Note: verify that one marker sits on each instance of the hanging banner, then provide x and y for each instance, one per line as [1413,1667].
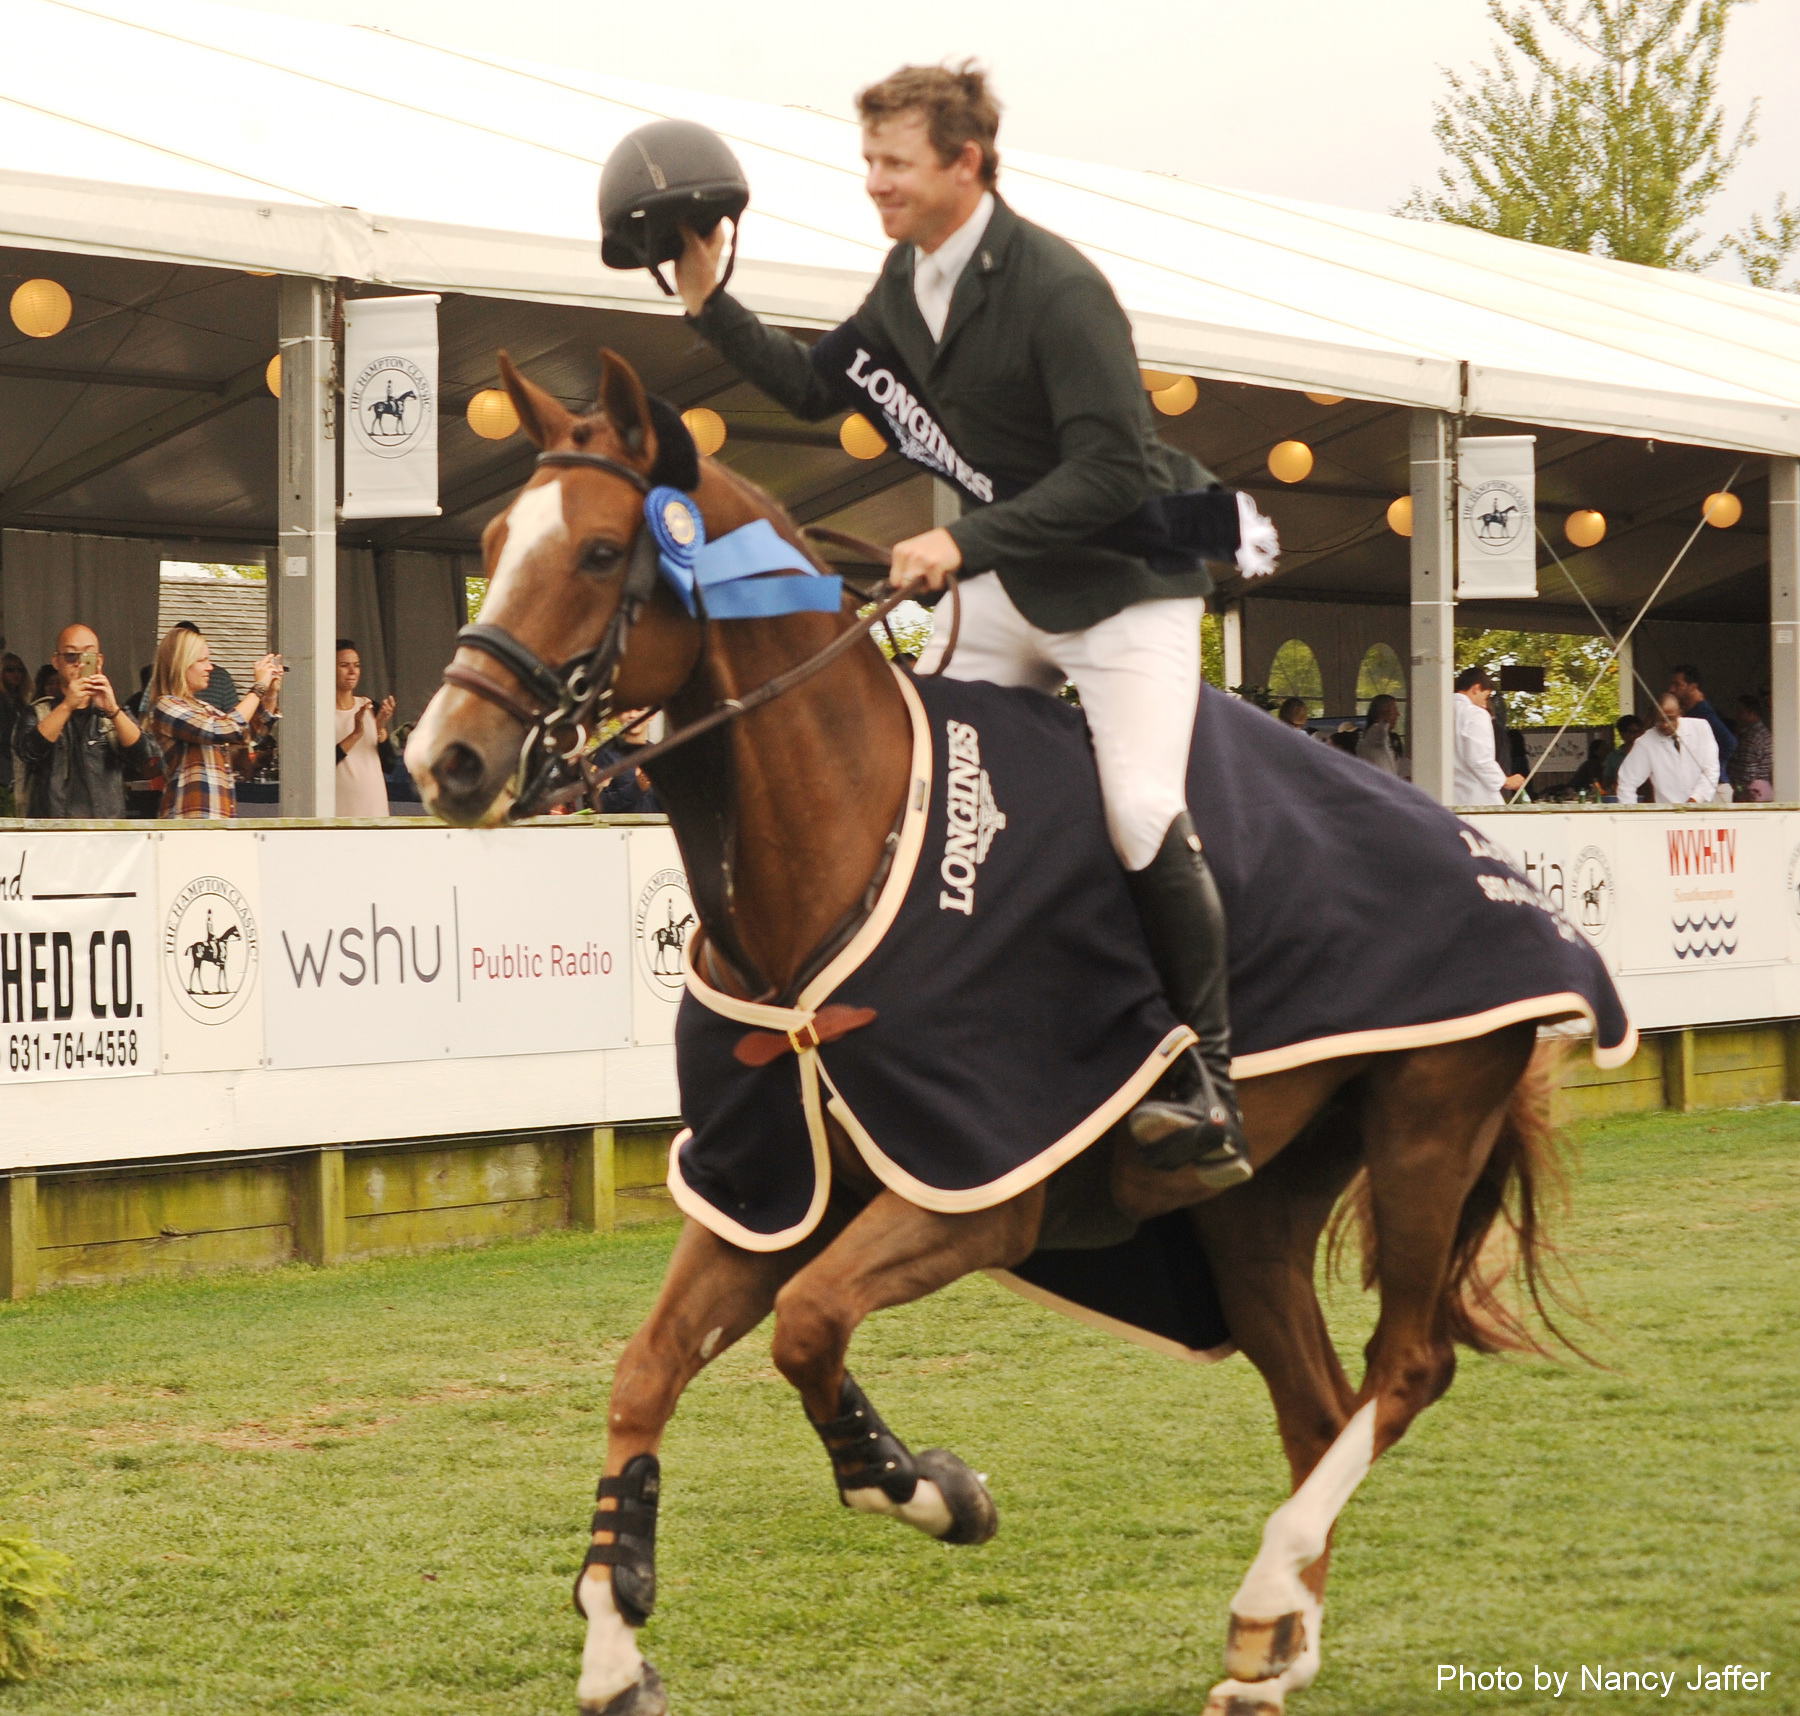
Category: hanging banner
[390,407]
[1496,534]
[78,987]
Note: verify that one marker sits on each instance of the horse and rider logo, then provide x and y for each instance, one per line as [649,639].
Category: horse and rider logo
[1592,893]
[1497,514]
[391,403]
[210,950]
[664,921]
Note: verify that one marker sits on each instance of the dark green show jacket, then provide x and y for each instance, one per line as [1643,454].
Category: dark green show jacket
[1036,381]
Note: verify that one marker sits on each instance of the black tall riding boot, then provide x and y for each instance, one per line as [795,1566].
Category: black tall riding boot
[1192,1115]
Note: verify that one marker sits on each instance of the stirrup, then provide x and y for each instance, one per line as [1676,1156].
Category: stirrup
[1193,1126]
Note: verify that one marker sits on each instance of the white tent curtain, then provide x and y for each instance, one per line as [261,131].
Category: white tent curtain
[359,619]
[426,612]
[49,580]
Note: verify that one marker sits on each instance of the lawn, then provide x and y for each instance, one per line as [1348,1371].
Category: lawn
[364,1490]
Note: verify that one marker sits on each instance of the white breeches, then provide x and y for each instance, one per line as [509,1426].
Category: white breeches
[1138,674]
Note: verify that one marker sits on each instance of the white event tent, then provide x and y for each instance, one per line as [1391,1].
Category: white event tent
[196,135]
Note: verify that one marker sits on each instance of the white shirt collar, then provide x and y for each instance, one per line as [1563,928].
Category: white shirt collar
[935,276]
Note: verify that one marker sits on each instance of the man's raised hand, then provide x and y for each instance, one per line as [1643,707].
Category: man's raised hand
[697,267]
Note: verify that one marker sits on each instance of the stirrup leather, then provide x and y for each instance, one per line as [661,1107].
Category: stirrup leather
[632,1553]
[864,1452]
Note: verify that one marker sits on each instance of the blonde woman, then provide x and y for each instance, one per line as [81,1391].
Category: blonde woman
[199,743]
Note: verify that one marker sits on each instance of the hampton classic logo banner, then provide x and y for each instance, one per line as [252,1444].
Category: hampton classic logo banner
[391,407]
[1496,517]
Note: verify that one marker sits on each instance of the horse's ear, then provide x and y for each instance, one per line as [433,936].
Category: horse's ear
[543,417]
[627,410]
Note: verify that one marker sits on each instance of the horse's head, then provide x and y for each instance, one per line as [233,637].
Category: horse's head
[557,562]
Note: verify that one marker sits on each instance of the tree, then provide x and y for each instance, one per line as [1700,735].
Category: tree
[1570,662]
[1616,151]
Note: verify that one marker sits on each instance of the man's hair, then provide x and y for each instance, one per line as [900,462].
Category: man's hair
[954,102]
[1635,722]
[347,643]
[1473,676]
[1690,674]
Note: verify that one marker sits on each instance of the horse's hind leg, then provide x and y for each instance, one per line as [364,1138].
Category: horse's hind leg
[1430,1118]
[713,1295]
[891,1254]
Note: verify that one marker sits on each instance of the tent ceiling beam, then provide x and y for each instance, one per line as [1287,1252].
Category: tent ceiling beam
[110,378]
[887,473]
[117,449]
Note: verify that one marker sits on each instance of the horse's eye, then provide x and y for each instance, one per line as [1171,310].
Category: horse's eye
[602,558]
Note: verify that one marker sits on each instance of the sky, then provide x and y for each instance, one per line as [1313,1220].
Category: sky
[1315,99]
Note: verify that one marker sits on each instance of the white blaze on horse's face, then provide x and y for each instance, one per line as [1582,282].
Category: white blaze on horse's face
[536,517]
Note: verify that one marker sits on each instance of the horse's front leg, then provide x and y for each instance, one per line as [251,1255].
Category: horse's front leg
[892,1254]
[713,1294]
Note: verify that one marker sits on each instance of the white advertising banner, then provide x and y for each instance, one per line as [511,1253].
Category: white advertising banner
[209,939]
[663,921]
[410,945]
[391,407]
[78,985]
[1496,517]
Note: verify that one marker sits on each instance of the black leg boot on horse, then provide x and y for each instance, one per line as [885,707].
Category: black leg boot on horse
[1192,1116]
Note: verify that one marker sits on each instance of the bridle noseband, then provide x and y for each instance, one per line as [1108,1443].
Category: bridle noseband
[570,702]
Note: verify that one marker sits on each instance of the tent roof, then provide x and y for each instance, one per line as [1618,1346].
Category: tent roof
[181,131]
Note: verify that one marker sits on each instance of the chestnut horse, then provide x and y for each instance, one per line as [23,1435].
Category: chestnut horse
[1447,1138]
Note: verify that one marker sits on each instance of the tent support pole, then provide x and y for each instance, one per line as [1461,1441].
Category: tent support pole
[1784,626]
[306,561]
[1231,630]
[1433,602]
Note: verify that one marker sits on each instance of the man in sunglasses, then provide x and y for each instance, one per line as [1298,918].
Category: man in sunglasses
[78,744]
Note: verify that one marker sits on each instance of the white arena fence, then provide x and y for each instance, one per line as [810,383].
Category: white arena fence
[173,991]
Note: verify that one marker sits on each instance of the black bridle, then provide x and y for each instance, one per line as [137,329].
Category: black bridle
[570,702]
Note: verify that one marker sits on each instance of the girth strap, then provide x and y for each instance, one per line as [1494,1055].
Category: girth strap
[632,1553]
[759,1048]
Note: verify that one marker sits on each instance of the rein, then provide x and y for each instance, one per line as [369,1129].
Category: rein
[574,698]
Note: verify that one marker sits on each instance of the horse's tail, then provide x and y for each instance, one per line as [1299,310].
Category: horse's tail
[1504,1265]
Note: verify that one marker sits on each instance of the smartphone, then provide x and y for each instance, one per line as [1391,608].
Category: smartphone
[89,663]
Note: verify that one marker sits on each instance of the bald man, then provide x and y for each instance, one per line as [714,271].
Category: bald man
[78,745]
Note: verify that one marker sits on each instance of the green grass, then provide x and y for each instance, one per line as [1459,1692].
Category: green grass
[364,1491]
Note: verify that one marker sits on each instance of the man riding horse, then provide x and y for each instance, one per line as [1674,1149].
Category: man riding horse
[1026,361]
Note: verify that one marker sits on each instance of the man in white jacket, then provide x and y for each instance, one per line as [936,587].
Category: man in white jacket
[1478,777]
[1678,756]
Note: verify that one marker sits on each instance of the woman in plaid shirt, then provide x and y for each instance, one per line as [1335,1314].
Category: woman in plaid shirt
[201,745]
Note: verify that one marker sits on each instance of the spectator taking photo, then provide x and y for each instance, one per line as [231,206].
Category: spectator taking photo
[75,742]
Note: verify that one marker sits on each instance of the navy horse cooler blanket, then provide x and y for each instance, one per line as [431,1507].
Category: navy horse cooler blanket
[1007,1015]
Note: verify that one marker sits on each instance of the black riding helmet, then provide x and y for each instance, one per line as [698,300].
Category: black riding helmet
[661,177]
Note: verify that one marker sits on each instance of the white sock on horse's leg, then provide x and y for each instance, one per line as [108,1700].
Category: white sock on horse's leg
[610,1660]
[927,1509]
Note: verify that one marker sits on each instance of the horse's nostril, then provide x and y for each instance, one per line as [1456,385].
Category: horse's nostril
[458,769]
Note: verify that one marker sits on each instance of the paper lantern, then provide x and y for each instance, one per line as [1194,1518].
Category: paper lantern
[861,439]
[492,415]
[272,375]
[1584,529]
[42,308]
[1399,516]
[707,428]
[1155,380]
[1722,511]
[1177,397]
[1326,398]
[261,273]
[1290,461]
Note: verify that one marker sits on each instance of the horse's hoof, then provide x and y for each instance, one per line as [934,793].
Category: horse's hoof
[644,1698]
[1240,1698]
[973,1516]
[1260,1650]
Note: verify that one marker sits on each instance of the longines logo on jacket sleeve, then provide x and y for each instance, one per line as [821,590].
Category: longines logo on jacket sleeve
[210,950]
[972,816]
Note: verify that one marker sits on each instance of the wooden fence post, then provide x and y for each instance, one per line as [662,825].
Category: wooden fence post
[1678,1071]
[319,1229]
[593,1181]
[18,1236]
[1793,1061]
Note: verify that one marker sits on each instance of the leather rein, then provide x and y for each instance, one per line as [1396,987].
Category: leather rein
[567,704]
